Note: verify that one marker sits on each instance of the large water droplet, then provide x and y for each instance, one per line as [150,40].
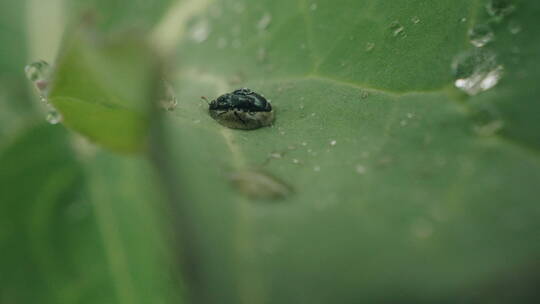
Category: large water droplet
[257,184]
[264,22]
[500,8]
[481,35]
[476,71]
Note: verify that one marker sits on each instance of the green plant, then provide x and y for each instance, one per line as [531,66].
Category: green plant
[406,135]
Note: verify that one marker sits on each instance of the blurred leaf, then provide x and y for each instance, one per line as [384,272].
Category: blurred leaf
[403,190]
[70,234]
[103,88]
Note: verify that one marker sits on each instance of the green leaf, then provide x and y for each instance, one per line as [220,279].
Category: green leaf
[403,188]
[103,88]
[74,234]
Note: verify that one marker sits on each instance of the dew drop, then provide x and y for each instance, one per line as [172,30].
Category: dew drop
[296,161]
[499,9]
[53,116]
[463,20]
[333,143]
[360,169]
[415,20]
[168,100]
[317,169]
[369,46]
[489,129]
[200,31]
[313,7]
[480,35]
[397,29]
[276,155]
[264,22]
[39,73]
[257,184]
[476,71]
[514,28]
[222,43]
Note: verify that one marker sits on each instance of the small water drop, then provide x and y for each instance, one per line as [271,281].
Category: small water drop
[53,116]
[415,20]
[304,143]
[476,71]
[463,20]
[360,169]
[481,35]
[257,184]
[369,46]
[200,31]
[39,73]
[264,22]
[313,7]
[397,29]
[333,143]
[498,9]
[489,129]
[222,43]
[514,28]
[296,161]
[317,169]
[168,100]
[276,155]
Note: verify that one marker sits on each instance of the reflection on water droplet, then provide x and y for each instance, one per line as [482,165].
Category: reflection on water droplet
[480,35]
[333,142]
[415,20]
[296,161]
[200,31]
[500,8]
[257,184]
[53,116]
[476,71]
[463,20]
[313,7]
[370,46]
[397,29]
[264,22]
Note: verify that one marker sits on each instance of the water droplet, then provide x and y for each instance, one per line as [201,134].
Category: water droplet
[53,116]
[514,28]
[499,9]
[476,71]
[276,155]
[415,20]
[296,161]
[39,73]
[313,7]
[200,31]
[168,100]
[304,143]
[397,29]
[264,22]
[317,169]
[480,35]
[369,46]
[489,129]
[222,43]
[410,115]
[463,20]
[333,143]
[360,169]
[257,184]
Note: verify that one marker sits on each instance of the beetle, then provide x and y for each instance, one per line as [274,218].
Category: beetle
[242,109]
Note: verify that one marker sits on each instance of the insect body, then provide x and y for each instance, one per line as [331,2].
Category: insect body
[242,109]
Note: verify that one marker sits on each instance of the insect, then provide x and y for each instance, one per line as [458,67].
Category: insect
[242,109]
